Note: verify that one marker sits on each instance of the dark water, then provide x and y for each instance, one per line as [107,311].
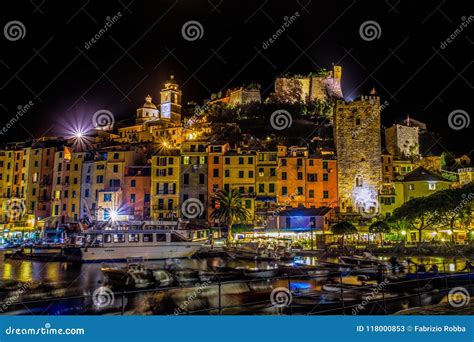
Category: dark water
[43,282]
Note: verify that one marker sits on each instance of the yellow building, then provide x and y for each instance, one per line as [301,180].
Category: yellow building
[266,180]
[165,178]
[239,174]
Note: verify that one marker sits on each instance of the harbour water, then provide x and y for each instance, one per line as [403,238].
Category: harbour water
[49,281]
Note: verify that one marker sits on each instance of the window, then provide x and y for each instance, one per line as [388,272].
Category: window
[133,183]
[271,187]
[283,162]
[227,173]
[250,160]
[116,156]
[357,121]
[272,172]
[133,238]
[170,160]
[215,173]
[186,160]
[100,179]
[432,186]
[132,198]
[325,165]
[227,161]
[201,179]
[325,194]
[241,174]
[312,177]
[186,179]
[107,238]
[311,162]
[359,181]
[300,175]
[107,197]
[119,238]
[250,174]
[147,198]
[299,162]
[284,190]
[311,194]
[300,190]
[160,237]
[147,237]
[86,193]
[283,175]
[241,160]
[216,160]
[325,177]
[177,238]
[411,186]
[260,172]
[261,188]
[248,204]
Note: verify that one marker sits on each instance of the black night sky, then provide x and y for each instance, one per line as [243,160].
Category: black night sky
[51,66]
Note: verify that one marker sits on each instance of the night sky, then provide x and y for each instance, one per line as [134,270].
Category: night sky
[52,67]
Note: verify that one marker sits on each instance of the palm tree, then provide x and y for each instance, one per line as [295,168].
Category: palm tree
[231,209]
[343,228]
[379,227]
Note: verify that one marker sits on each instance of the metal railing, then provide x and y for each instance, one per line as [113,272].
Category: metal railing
[356,300]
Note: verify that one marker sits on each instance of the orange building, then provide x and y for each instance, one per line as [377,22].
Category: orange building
[136,192]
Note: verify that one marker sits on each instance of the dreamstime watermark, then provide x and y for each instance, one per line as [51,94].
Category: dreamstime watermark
[20,112]
[458,297]
[465,22]
[14,208]
[369,120]
[199,287]
[15,296]
[281,297]
[192,30]
[466,199]
[370,297]
[281,119]
[110,22]
[459,119]
[103,119]
[46,330]
[198,111]
[370,30]
[14,30]
[192,208]
[288,21]
[103,297]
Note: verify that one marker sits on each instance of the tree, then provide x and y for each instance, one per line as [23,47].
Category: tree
[230,209]
[343,228]
[418,213]
[379,227]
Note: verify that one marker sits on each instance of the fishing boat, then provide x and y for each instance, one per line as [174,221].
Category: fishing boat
[221,274]
[146,242]
[136,276]
[357,260]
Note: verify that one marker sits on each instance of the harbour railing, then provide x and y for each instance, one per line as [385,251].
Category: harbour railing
[290,294]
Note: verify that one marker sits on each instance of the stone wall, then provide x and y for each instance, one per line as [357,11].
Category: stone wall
[358,147]
[402,141]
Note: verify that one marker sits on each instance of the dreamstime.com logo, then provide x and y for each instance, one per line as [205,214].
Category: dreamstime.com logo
[281,297]
[15,208]
[192,30]
[281,119]
[46,330]
[103,119]
[192,208]
[103,297]
[370,30]
[459,119]
[14,30]
[458,297]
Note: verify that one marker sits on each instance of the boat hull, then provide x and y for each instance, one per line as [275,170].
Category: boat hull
[95,254]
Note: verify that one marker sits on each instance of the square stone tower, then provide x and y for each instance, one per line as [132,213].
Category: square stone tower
[402,141]
[358,145]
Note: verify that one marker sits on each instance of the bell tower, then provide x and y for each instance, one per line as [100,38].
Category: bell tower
[171,101]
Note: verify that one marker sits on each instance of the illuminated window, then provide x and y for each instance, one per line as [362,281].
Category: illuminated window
[432,186]
[359,181]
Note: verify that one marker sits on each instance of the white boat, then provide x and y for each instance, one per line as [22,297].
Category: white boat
[125,244]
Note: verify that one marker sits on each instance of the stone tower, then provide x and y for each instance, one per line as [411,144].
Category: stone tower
[402,141]
[358,145]
[171,101]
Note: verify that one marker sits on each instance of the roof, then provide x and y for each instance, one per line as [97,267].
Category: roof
[421,174]
[321,211]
